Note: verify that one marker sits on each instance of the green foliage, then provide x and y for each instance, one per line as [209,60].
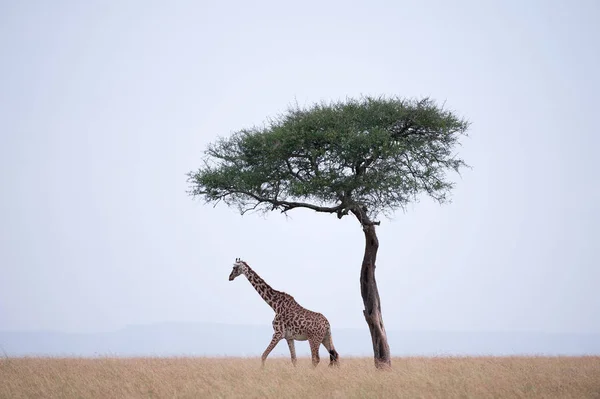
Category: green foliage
[374,153]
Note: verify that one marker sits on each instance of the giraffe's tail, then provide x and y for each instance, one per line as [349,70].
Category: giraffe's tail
[333,355]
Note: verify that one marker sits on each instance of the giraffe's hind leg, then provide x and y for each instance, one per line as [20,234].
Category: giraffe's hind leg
[276,338]
[292,347]
[314,350]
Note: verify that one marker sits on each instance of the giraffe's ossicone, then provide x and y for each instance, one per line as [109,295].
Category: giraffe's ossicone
[292,321]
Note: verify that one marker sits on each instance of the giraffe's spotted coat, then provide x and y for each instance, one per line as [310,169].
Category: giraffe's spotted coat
[292,321]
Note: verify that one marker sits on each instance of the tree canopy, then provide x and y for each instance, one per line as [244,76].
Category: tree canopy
[374,153]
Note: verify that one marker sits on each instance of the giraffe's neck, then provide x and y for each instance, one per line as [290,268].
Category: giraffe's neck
[264,290]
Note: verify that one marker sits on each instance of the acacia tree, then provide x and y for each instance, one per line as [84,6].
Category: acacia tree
[366,157]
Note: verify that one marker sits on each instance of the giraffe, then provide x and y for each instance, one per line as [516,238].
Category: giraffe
[292,321]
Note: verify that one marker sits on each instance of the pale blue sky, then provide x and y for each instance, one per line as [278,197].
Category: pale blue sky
[105,106]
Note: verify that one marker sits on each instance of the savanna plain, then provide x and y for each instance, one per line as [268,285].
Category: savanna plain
[411,377]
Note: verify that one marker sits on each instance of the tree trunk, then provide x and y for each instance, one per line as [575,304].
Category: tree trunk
[370,293]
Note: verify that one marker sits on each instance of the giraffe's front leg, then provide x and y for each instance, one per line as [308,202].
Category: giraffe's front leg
[276,338]
[292,347]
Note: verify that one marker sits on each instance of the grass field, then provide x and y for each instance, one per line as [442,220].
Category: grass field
[469,377]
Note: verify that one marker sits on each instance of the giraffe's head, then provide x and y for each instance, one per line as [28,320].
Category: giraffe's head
[238,268]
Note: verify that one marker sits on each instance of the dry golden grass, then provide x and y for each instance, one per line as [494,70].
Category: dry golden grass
[484,377]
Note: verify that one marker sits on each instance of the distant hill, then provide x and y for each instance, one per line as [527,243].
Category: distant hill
[207,339]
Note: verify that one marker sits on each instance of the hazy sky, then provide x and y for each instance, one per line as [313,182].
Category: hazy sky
[105,106]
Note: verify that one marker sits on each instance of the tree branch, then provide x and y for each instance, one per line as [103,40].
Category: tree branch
[288,205]
[291,170]
[362,165]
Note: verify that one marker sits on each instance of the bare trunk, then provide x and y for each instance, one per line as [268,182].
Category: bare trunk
[370,293]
